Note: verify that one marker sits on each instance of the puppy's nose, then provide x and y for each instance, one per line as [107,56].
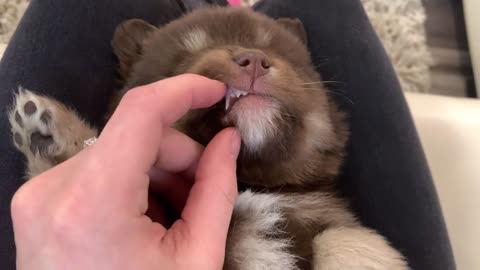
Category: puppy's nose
[255,63]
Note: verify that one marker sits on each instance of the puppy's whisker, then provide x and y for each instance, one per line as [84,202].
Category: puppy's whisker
[330,91]
[322,82]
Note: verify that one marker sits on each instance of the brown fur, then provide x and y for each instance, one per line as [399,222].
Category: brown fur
[293,160]
[288,159]
[293,218]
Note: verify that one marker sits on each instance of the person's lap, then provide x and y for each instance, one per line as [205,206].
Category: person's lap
[62,48]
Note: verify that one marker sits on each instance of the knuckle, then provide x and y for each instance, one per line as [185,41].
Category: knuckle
[22,204]
[63,223]
[70,218]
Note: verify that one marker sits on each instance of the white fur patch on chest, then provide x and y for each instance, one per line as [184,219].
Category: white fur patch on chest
[195,40]
[258,223]
[257,125]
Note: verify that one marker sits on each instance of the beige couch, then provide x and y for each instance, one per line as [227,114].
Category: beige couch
[472,22]
[449,129]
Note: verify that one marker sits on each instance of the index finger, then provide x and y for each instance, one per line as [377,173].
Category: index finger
[134,132]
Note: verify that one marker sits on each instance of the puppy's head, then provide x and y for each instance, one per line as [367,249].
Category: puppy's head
[290,130]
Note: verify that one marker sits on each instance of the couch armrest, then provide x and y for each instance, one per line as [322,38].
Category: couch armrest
[471,9]
[449,129]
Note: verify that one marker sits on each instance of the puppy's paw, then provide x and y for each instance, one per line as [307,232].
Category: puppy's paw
[42,128]
[256,238]
[355,248]
[32,127]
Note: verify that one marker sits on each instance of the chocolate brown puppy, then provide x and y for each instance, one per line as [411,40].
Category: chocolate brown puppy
[293,136]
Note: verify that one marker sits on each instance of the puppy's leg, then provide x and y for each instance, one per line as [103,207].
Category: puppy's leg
[46,131]
[256,239]
[356,247]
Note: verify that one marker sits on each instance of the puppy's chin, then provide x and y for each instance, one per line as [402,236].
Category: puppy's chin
[257,119]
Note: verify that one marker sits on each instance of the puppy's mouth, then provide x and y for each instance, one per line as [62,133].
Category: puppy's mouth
[232,96]
[254,113]
[235,97]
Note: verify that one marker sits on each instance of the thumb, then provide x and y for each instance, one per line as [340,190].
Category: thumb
[209,208]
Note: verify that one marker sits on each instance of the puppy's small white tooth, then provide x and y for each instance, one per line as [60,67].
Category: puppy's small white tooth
[230,91]
[227,102]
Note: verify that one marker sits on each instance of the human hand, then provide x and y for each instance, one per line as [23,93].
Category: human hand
[90,212]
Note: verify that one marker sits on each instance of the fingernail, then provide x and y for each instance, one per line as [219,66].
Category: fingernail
[235,144]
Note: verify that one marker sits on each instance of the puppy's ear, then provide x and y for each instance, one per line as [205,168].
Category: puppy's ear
[295,26]
[128,42]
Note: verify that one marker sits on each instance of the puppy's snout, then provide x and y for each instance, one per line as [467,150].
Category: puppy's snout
[255,63]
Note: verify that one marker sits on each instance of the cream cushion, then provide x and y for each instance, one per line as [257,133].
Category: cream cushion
[472,22]
[449,129]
